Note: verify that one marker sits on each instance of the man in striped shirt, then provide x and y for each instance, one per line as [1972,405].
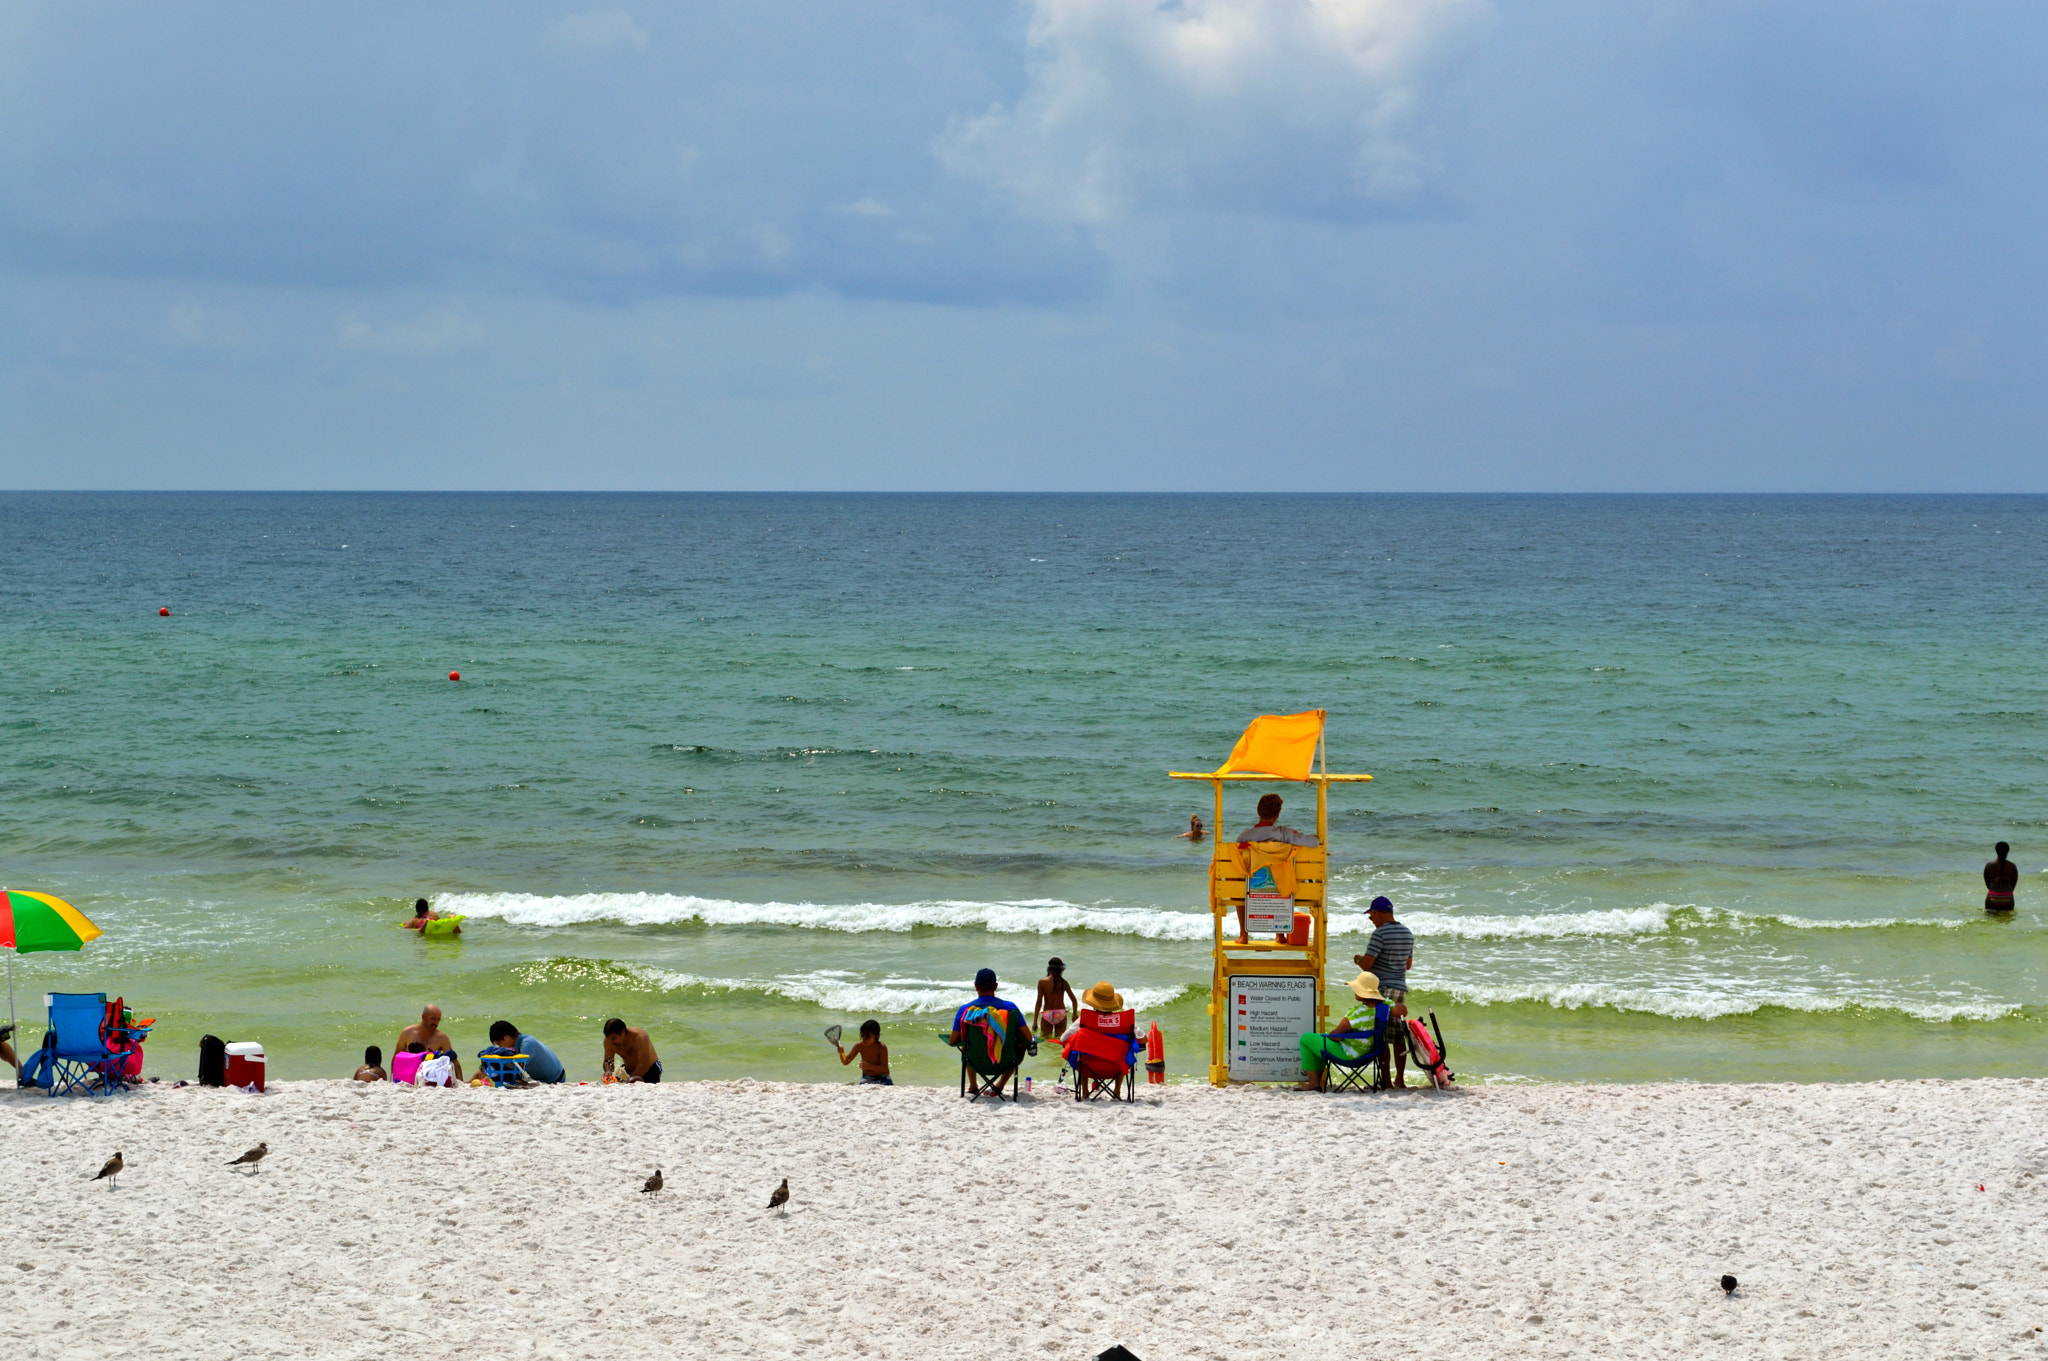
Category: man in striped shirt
[1387,957]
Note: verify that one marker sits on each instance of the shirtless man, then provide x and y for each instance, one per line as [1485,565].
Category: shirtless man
[428,1033]
[2001,877]
[629,1045]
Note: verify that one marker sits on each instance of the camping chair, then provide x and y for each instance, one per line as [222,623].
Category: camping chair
[993,1042]
[501,1066]
[1103,1052]
[1370,1073]
[79,1059]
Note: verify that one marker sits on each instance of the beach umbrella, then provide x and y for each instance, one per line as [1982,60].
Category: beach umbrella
[31,922]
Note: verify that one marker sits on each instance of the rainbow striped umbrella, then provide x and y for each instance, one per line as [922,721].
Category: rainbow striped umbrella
[31,922]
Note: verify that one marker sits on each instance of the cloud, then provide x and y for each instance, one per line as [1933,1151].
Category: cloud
[436,333]
[597,30]
[1312,108]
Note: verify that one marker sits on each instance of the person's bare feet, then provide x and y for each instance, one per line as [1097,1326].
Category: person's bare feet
[1314,1084]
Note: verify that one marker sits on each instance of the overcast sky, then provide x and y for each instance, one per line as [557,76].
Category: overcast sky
[1026,244]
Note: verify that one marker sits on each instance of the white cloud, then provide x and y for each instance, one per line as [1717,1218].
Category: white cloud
[436,333]
[598,29]
[1295,107]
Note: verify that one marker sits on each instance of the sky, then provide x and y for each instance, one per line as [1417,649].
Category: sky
[1087,245]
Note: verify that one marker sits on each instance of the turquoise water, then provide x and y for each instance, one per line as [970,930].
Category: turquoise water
[1668,787]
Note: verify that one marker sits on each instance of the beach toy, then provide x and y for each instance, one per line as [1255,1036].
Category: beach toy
[441,928]
[832,1034]
[1155,1055]
[405,1067]
[454,675]
[164,611]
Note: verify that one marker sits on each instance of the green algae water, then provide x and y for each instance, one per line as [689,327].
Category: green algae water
[1668,787]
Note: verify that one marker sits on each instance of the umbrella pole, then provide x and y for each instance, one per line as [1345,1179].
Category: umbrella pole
[16,1037]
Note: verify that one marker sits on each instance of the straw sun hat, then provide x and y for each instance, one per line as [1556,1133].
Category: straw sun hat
[1366,987]
[1103,997]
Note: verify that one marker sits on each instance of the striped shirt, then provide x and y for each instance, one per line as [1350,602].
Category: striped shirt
[1392,948]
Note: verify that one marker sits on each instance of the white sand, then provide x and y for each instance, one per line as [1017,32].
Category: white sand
[1532,1221]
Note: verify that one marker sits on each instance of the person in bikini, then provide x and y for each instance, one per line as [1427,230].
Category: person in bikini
[630,1047]
[2001,877]
[872,1053]
[1055,1001]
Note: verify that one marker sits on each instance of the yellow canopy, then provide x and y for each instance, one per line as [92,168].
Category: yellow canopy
[1281,745]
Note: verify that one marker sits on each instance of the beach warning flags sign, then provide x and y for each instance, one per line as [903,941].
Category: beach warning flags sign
[1281,745]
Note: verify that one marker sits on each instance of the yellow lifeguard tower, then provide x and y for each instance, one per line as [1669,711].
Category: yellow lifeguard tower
[1265,994]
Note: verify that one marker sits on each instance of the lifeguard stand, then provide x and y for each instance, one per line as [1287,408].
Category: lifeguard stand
[1264,995]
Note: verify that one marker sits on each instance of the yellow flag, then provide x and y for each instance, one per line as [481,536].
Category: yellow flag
[1282,745]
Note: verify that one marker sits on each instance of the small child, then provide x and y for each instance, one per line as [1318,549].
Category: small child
[1055,999]
[421,915]
[872,1053]
[373,1066]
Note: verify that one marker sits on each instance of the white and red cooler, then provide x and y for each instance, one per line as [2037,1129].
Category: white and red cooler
[245,1064]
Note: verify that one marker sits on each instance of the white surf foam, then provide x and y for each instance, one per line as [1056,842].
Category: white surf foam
[1734,998]
[1027,916]
[836,990]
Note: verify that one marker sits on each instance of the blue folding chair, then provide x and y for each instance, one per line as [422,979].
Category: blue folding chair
[79,1060]
[502,1067]
[1370,1072]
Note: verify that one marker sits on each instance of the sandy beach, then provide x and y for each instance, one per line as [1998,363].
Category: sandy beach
[1533,1221]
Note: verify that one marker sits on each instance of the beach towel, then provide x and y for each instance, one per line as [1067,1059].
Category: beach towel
[438,1071]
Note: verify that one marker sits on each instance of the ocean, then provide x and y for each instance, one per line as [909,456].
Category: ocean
[1668,787]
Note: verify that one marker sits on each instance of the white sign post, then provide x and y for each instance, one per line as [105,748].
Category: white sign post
[1269,1013]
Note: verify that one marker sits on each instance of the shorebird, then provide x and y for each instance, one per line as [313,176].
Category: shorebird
[111,1170]
[1728,1284]
[653,1183]
[253,1156]
[781,1196]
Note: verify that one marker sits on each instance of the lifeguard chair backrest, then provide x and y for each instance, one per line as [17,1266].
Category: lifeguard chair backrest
[1227,873]
[1110,1022]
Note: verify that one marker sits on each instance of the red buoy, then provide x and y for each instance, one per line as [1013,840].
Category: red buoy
[164,610]
[454,675]
[1155,1055]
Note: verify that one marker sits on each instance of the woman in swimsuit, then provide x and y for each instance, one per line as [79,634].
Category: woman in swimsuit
[2001,877]
[1055,999]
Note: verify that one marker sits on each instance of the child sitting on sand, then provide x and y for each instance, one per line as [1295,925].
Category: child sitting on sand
[872,1053]
[373,1066]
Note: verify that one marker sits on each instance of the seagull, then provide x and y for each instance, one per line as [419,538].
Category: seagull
[781,1196]
[1728,1284]
[112,1170]
[653,1183]
[253,1156]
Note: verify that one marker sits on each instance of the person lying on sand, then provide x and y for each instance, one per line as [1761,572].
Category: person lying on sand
[428,1035]
[872,1053]
[630,1047]
[373,1066]
[1055,999]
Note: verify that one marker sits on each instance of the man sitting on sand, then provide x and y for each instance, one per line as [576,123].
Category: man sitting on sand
[630,1047]
[540,1062]
[427,1034]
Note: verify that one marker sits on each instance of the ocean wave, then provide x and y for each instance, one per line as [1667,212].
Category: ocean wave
[1736,999]
[1047,916]
[835,990]
[1026,916]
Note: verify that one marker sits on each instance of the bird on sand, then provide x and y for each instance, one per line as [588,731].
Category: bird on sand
[653,1183]
[111,1170]
[781,1196]
[1728,1284]
[254,1155]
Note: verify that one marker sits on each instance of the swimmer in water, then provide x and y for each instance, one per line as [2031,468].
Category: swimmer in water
[421,915]
[2001,877]
[1194,831]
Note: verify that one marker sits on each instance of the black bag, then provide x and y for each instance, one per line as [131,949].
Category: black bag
[213,1061]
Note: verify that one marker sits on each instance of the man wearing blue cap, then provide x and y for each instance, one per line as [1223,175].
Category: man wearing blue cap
[985,996]
[1388,956]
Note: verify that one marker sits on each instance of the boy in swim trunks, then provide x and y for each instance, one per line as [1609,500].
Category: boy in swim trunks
[1055,1000]
[872,1053]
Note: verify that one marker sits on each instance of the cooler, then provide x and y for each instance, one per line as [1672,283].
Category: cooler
[245,1064]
